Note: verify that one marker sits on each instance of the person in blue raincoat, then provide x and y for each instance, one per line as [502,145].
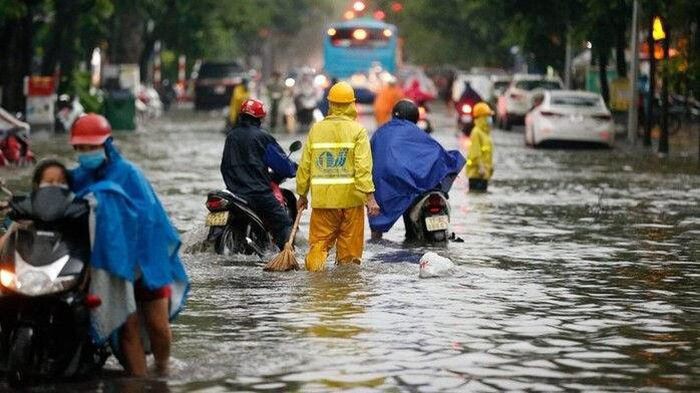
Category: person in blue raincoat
[150,261]
[407,163]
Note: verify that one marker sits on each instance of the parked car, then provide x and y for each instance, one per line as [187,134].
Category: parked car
[514,104]
[567,115]
[214,84]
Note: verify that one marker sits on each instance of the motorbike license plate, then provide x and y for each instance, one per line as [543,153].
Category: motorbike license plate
[437,223]
[217,219]
[220,89]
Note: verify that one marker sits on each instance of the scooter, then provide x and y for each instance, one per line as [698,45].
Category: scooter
[306,104]
[428,219]
[465,120]
[234,228]
[44,301]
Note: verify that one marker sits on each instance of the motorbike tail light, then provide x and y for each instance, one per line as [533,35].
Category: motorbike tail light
[92,301]
[435,204]
[466,109]
[550,114]
[216,203]
[602,117]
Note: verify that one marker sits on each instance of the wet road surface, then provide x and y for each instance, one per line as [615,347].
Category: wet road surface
[579,271]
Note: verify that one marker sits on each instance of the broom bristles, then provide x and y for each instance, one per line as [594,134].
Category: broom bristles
[284,261]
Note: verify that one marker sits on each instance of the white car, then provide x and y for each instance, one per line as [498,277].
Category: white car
[516,101]
[567,115]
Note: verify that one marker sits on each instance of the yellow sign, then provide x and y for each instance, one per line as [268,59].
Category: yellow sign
[658,29]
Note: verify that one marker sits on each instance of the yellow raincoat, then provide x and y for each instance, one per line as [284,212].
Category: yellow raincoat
[336,165]
[238,97]
[480,150]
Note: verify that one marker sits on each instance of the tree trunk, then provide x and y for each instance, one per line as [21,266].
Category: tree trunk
[620,45]
[16,62]
[603,59]
[127,35]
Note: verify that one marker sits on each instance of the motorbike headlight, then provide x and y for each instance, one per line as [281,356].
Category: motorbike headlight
[35,283]
[32,283]
[7,279]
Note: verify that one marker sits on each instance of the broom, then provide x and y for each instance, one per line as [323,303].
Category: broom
[285,260]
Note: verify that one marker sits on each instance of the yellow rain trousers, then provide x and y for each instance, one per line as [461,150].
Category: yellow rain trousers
[344,228]
[336,166]
[480,150]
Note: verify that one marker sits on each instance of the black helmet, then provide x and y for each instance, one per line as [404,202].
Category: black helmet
[406,110]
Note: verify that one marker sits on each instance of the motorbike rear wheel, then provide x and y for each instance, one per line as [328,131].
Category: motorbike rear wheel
[20,357]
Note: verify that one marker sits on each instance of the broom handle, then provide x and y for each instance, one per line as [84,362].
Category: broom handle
[295,227]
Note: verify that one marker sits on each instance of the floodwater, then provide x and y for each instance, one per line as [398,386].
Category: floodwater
[579,270]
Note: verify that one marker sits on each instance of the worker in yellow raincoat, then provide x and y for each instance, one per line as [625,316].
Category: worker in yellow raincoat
[336,165]
[238,97]
[480,157]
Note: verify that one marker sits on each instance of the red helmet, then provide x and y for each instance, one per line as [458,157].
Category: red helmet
[91,129]
[254,108]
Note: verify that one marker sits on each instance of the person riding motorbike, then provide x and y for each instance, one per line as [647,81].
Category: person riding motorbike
[147,257]
[275,92]
[480,162]
[399,177]
[249,154]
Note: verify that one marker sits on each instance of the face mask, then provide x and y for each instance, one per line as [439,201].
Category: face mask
[489,121]
[92,160]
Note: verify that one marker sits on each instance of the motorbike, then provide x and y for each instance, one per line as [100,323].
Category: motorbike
[234,228]
[68,110]
[423,121]
[465,121]
[427,220]
[44,300]
[306,104]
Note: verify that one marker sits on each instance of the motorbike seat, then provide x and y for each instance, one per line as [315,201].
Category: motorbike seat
[228,195]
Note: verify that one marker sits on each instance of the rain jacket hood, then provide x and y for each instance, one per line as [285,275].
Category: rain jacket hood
[348,111]
[408,162]
[336,164]
[480,150]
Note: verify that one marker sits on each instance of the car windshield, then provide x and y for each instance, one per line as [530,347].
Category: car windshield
[218,71]
[501,85]
[535,84]
[584,102]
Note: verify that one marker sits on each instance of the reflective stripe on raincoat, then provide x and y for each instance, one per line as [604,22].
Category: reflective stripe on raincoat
[336,163]
[480,150]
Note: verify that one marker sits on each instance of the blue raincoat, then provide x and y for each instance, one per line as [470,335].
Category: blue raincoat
[155,250]
[407,163]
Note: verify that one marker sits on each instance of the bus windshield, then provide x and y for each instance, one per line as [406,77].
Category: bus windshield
[360,37]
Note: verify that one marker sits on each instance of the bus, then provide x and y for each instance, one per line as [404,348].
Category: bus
[354,46]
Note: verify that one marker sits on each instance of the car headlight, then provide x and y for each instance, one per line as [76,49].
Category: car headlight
[35,283]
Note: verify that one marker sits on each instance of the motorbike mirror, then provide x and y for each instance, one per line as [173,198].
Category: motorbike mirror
[296,146]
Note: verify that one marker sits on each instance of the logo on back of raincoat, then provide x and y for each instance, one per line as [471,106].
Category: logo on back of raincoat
[328,160]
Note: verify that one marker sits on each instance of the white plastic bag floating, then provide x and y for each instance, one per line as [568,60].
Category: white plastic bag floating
[433,265]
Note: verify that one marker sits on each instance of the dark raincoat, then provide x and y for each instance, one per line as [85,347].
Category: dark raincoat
[407,163]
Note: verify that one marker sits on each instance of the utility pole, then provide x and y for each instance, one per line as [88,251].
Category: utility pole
[663,142]
[567,60]
[632,115]
[652,84]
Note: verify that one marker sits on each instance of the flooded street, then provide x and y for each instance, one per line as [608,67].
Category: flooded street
[579,270]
